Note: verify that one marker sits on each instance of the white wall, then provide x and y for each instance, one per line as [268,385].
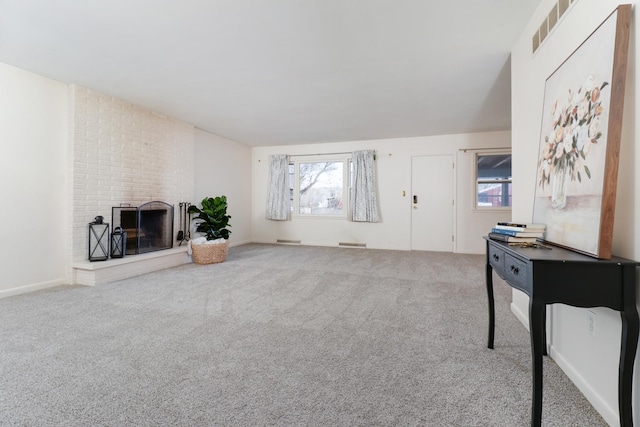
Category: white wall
[590,362]
[223,167]
[33,177]
[394,176]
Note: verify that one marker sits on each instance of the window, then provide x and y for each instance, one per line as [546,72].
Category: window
[319,186]
[493,181]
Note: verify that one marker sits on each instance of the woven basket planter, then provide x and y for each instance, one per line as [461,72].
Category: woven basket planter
[210,254]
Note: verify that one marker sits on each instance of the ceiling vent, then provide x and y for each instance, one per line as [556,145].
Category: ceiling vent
[550,21]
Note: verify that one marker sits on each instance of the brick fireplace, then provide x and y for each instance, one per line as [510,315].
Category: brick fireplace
[121,153]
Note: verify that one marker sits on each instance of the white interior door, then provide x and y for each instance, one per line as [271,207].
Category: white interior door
[432,203]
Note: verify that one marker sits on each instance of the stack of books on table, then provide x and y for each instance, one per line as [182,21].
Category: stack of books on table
[517,233]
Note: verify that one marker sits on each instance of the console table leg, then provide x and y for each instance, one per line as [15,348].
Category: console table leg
[492,311]
[628,346]
[537,332]
[544,331]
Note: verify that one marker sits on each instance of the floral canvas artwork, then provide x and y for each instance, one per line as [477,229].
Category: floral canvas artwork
[573,149]
[576,127]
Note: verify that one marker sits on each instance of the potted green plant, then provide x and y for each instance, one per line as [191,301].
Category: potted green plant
[212,220]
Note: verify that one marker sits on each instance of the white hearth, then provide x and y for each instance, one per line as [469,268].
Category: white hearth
[99,272]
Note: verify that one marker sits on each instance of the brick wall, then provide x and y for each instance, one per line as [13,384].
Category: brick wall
[121,153]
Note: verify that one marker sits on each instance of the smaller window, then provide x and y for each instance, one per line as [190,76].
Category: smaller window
[493,181]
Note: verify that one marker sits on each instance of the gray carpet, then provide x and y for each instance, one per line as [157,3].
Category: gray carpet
[278,335]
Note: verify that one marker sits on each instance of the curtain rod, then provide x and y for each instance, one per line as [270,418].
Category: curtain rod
[319,154]
[483,149]
[327,154]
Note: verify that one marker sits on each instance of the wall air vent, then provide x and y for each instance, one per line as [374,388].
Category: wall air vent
[352,245]
[287,242]
[550,21]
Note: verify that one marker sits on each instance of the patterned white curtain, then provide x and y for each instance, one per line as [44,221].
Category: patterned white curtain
[278,188]
[363,193]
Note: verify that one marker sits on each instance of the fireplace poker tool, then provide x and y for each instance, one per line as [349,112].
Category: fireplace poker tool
[180,232]
[187,220]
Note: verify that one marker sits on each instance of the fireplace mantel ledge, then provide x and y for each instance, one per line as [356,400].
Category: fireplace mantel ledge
[92,273]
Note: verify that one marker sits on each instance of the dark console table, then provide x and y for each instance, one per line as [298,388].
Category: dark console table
[562,276]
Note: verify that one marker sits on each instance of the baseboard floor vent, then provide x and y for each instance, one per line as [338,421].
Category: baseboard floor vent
[352,245]
[288,242]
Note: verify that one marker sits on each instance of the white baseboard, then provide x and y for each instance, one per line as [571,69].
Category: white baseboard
[31,288]
[609,414]
[305,243]
[522,317]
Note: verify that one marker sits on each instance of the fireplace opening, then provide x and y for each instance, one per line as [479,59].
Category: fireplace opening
[149,227]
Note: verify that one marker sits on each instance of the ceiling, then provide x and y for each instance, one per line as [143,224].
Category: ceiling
[271,72]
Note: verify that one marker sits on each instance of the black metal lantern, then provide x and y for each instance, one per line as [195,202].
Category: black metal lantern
[118,240]
[98,239]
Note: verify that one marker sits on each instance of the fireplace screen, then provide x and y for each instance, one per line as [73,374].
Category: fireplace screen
[149,227]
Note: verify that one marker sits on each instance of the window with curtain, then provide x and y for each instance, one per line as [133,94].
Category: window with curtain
[337,186]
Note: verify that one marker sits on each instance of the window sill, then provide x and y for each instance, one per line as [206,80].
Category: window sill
[330,217]
[492,210]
